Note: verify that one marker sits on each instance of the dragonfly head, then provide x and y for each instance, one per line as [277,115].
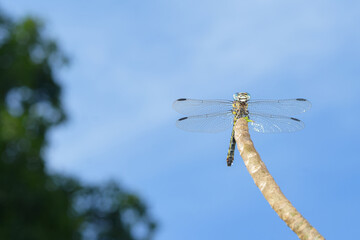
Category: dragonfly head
[241,97]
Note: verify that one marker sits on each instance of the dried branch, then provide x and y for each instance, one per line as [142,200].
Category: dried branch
[268,187]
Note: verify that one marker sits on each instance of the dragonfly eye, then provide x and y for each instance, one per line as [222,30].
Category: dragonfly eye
[236,96]
[242,97]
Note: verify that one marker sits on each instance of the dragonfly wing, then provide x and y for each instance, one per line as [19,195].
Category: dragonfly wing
[285,107]
[188,106]
[210,123]
[274,124]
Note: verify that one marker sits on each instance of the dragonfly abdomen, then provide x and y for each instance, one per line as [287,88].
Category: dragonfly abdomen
[230,155]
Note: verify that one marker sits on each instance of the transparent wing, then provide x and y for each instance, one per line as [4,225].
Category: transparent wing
[285,107]
[274,124]
[210,123]
[188,106]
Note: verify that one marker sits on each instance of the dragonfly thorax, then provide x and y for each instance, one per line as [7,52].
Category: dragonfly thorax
[240,109]
[241,97]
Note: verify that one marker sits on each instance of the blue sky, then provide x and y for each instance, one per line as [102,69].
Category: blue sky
[132,59]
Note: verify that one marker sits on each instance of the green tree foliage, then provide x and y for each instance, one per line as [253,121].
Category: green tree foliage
[33,203]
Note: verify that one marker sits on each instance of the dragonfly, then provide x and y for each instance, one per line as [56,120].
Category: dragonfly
[264,116]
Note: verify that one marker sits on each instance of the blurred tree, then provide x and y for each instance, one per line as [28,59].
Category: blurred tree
[33,203]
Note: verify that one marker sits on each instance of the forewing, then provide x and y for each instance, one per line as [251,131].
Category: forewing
[188,106]
[274,124]
[210,123]
[285,107]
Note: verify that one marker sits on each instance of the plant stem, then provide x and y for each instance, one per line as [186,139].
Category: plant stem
[268,187]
